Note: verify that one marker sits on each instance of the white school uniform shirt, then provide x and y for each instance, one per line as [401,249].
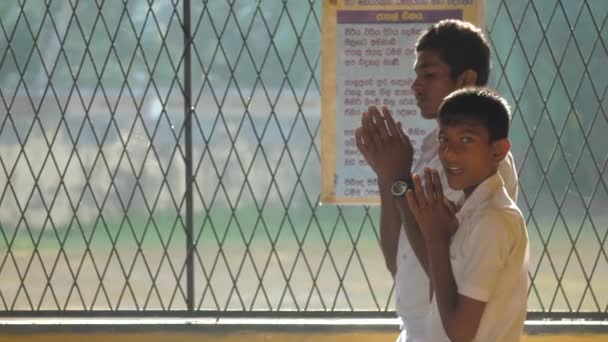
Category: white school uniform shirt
[489,258]
[411,283]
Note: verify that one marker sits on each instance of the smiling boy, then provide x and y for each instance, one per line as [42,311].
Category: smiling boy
[478,256]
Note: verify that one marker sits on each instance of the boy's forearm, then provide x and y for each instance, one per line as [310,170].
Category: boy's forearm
[413,233]
[390,226]
[455,323]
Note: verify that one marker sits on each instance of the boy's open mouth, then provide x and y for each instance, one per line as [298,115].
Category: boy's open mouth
[454,171]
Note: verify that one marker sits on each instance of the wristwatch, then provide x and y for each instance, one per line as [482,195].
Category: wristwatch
[401,186]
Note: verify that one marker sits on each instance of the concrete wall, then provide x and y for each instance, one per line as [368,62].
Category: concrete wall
[266,333]
[253,337]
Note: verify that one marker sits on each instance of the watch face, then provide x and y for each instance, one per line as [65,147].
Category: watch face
[399,188]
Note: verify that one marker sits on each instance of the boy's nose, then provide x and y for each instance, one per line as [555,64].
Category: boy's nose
[415,85]
[449,153]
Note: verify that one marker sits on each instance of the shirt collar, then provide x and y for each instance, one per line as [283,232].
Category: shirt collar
[481,194]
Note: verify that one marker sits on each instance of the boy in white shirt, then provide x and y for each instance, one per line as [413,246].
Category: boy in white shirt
[477,258]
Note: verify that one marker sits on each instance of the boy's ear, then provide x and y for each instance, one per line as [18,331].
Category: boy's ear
[467,78]
[500,149]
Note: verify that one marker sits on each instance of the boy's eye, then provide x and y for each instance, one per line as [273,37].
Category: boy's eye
[466,139]
[442,139]
[425,73]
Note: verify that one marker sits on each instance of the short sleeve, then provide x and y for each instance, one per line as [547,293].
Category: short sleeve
[484,256]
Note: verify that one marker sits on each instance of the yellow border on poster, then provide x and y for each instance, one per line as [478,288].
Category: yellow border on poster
[473,11]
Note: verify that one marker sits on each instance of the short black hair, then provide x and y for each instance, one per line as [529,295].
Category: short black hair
[477,105]
[461,45]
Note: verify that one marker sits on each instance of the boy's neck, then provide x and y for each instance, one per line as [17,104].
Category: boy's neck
[471,189]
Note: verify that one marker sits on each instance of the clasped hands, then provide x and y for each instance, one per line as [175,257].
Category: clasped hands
[389,152]
[434,213]
[384,145]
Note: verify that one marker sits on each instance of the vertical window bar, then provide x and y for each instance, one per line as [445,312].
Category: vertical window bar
[188,161]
